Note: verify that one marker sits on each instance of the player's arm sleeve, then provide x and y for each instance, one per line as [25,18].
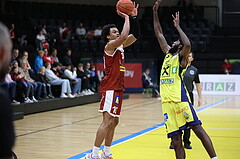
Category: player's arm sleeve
[135,27]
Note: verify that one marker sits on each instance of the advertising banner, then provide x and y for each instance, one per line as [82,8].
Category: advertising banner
[220,84]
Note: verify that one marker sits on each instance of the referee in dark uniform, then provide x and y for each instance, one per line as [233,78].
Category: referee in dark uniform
[191,75]
[7,135]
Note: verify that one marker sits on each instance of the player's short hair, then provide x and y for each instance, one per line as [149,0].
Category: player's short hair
[106,31]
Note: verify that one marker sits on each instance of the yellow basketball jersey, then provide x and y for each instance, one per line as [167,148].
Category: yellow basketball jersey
[172,88]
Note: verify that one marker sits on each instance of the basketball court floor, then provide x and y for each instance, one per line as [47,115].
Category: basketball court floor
[69,133]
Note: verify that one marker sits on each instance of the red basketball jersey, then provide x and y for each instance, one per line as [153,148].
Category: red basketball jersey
[114,71]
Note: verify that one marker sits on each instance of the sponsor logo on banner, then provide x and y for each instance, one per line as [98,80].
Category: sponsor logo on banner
[219,86]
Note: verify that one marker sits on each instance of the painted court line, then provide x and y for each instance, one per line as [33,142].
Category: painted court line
[140,133]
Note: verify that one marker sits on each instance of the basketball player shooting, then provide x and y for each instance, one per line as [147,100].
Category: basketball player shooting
[177,109]
[112,85]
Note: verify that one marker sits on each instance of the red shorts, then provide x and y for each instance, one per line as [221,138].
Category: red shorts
[111,102]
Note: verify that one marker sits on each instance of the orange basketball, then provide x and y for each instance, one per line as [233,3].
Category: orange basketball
[125,6]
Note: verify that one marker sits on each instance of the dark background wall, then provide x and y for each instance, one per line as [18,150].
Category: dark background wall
[231,13]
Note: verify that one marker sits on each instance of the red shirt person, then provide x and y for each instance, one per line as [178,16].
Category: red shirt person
[47,58]
[226,67]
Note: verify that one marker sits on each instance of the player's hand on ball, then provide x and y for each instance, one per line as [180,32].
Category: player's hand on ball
[176,19]
[135,10]
[121,14]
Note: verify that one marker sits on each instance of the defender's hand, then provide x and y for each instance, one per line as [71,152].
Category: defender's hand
[135,10]
[176,19]
[156,5]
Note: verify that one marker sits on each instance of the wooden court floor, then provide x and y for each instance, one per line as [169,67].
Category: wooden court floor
[68,133]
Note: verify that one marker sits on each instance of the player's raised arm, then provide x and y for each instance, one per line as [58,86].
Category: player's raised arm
[158,29]
[186,43]
[134,27]
[121,38]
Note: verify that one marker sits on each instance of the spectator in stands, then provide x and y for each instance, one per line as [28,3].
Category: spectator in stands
[75,82]
[226,67]
[44,31]
[81,31]
[19,78]
[46,89]
[55,80]
[85,80]
[25,58]
[147,83]
[94,80]
[67,58]
[14,64]
[54,55]
[64,32]
[37,86]
[58,70]
[12,33]
[41,41]
[90,35]
[38,61]
[15,55]
[97,33]
[10,86]
[47,58]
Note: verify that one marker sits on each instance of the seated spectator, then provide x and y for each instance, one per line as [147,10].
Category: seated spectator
[25,58]
[147,83]
[55,80]
[10,86]
[19,79]
[98,33]
[38,61]
[81,31]
[75,82]
[15,55]
[41,41]
[67,58]
[90,35]
[64,32]
[226,67]
[37,86]
[54,55]
[94,80]
[58,70]
[46,89]
[85,80]
[44,31]
[47,58]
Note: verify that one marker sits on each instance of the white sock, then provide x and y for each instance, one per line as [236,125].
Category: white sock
[215,157]
[107,150]
[95,151]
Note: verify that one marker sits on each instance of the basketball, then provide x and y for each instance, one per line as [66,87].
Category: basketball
[125,6]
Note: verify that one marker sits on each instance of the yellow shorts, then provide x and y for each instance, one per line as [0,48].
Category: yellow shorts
[178,116]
